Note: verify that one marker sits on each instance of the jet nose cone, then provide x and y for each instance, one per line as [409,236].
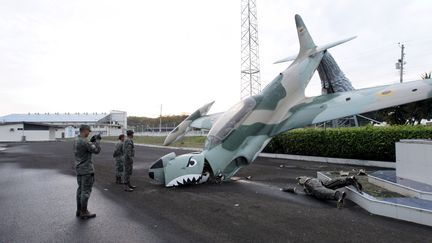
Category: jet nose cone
[157,169]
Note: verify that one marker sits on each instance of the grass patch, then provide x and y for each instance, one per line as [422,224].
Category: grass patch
[189,142]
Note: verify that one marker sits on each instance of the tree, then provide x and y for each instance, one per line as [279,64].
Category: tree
[154,122]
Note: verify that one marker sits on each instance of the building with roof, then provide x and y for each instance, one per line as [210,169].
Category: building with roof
[65,125]
[26,131]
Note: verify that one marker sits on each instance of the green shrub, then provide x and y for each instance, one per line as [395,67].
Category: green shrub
[367,143]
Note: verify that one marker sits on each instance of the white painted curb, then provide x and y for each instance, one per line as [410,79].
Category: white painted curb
[401,189]
[329,160]
[387,209]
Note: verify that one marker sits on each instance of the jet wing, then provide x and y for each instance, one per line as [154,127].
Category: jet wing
[206,122]
[338,105]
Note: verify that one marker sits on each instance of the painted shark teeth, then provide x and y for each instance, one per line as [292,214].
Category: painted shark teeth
[186,180]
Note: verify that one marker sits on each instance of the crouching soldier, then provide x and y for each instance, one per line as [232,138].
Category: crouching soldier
[83,150]
[326,190]
[119,157]
[129,153]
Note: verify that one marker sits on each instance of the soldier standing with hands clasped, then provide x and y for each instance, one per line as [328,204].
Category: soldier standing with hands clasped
[83,150]
[129,153]
[119,158]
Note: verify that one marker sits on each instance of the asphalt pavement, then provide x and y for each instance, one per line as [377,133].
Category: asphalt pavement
[37,204]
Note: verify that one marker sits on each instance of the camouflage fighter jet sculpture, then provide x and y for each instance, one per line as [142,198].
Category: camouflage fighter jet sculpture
[237,136]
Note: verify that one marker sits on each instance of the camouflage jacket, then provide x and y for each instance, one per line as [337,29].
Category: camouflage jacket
[83,150]
[128,149]
[118,150]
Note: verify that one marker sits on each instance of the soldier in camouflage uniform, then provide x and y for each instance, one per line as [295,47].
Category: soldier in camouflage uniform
[129,153]
[326,190]
[83,150]
[119,156]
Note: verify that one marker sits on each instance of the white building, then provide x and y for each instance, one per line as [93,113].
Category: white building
[25,131]
[65,125]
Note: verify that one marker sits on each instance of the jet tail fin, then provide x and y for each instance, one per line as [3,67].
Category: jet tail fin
[307,45]
[305,39]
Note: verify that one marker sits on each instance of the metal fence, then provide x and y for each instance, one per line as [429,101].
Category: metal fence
[164,130]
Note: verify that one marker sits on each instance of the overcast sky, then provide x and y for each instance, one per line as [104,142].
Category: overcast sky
[96,56]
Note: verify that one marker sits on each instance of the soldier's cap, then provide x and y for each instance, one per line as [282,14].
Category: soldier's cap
[84,127]
[129,132]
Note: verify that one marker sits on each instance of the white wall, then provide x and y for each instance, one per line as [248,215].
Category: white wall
[414,160]
[120,117]
[10,133]
[7,135]
[52,133]
[59,132]
[115,131]
[70,132]
[38,135]
[107,130]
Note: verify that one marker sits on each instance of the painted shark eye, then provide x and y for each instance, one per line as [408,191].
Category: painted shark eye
[191,163]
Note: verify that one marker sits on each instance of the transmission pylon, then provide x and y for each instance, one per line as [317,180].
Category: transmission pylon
[250,70]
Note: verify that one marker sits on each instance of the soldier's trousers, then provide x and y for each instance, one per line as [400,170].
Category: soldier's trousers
[119,167]
[337,182]
[85,184]
[128,167]
[315,188]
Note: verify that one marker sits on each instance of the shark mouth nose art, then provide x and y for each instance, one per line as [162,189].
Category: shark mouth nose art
[188,180]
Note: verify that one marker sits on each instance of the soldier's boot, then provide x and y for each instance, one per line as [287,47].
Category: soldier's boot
[340,197]
[85,214]
[127,188]
[118,180]
[78,212]
[289,189]
[352,180]
[130,186]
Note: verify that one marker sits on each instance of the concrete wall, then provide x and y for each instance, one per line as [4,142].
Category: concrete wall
[119,117]
[47,135]
[11,132]
[15,133]
[52,133]
[60,133]
[414,160]
[107,130]
[115,131]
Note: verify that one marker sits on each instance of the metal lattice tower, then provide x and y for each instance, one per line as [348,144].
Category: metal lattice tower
[250,70]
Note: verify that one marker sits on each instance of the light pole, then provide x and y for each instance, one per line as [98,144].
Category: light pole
[400,64]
